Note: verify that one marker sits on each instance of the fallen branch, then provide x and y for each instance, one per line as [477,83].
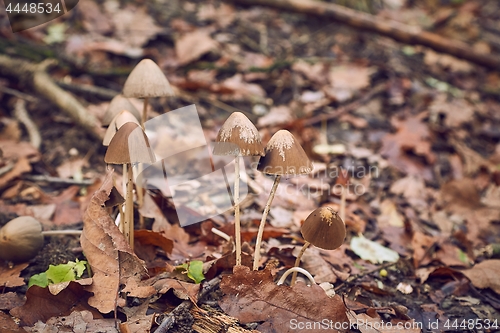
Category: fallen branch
[34,76]
[24,118]
[396,30]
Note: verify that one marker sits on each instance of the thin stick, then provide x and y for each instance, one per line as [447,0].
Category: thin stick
[237,225]
[297,261]
[22,115]
[342,202]
[128,223]
[263,222]
[221,234]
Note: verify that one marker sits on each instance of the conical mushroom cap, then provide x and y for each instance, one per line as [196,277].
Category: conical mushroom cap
[284,156]
[118,121]
[129,145]
[242,134]
[324,228]
[21,239]
[147,80]
[117,104]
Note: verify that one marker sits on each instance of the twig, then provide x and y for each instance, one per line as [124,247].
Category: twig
[360,275]
[18,94]
[22,115]
[379,88]
[99,92]
[56,180]
[35,77]
[396,30]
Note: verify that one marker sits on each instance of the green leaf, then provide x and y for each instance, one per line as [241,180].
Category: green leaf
[61,273]
[39,280]
[195,271]
[80,268]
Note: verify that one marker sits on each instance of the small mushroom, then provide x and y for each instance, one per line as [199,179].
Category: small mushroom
[239,137]
[323,228]
[118,104]
[20,239]
[147,80]
[118,121]
[284,156]
[129,145]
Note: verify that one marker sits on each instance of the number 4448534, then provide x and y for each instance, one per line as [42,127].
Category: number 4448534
[33,8]
[471,324]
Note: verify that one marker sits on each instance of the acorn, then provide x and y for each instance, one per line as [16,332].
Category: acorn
[20,239]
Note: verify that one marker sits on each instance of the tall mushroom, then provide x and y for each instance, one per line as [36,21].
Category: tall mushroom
[284,156]
[323,228]
[242,139]
[129,145]
[146,80]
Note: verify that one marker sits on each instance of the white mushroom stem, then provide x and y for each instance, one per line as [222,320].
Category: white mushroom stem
[144,112]
[295,270]
[128,222]
[263,223]
[221,234]
[237,224]
[62,233]
[297,261]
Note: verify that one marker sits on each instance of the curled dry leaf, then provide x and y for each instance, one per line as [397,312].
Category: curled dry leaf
[253,296]
[108,253]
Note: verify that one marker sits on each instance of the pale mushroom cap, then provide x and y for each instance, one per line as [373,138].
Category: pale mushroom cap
[129,145]
[20,239]
[240,132]
[324,228]
[118,121]
[284,156]
[147,80]
[117,104]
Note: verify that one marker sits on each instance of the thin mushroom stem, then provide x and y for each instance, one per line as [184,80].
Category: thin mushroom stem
[295,270]
[128,223]
[297,261]
[263,222]
[144,112]
[237,225]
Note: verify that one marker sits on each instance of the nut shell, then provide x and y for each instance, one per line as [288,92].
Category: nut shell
[20,239]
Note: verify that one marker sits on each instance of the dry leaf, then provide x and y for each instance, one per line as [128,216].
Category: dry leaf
[9,301]
[108,253]
[193,45]
[8,325]
[134,26]
[41,304]
[252,296]
[485,275]
[76,322]
[9,276]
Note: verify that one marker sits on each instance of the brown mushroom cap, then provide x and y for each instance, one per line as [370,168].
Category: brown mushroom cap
[129,145]
[147,80]
[21,239]
[324,228]
[117,104]
[284,156]
[242,134]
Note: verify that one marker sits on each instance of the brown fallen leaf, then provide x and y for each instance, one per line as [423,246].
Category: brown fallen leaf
[108,253]
[42,305]
[193,45]
[485,275]
[8,325]
[367,324]
[137,320]
[76,322]
[10,300]
[9,276]
[253,296]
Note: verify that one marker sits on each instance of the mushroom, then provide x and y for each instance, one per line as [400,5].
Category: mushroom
[284,156]
[129,145]
[146,80]
[242,139]
[21,238]
[120,118]
[323,228]
[117,104]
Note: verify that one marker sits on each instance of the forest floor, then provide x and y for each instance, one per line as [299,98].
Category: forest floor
[415,131]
